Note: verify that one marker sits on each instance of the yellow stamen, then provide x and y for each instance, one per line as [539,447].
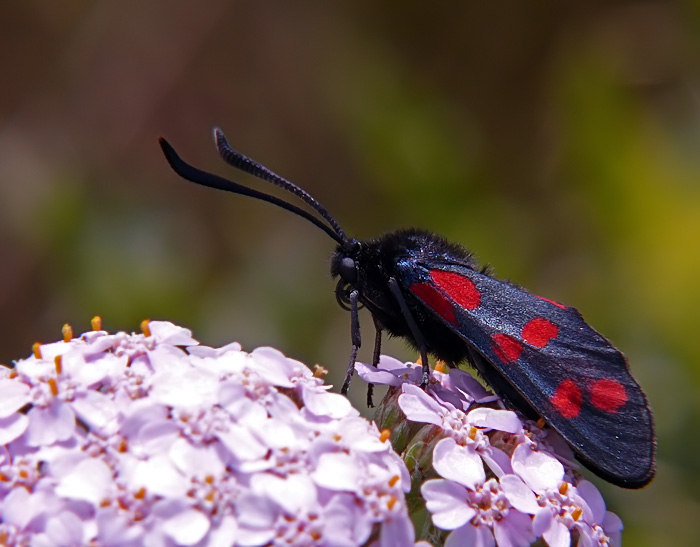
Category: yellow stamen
[96,323]
[67,332]
[385,435]
[319,371]
[391,503]
[541,423]
[577,513]
[58,363]
[393,480]
[563,488]
[145,329]
[36,350]
[53,385]
[440,366]
[140,494]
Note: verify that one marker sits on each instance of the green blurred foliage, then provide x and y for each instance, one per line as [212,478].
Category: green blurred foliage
[559,142]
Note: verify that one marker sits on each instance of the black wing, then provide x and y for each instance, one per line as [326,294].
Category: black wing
[569,373]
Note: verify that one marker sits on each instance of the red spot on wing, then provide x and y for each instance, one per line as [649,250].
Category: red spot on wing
[434,300]
[506,347]
[608,395]
[557,304]
[539,331]
[459,288]
[567,399]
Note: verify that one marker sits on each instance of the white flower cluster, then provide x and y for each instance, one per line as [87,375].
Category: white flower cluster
[503,481]
[150,439]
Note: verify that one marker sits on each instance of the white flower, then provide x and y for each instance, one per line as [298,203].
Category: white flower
[503,480]
[134,439]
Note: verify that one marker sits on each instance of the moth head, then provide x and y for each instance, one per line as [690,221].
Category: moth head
[344,266]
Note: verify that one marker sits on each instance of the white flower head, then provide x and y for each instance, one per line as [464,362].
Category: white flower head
[502,480]
[134,439]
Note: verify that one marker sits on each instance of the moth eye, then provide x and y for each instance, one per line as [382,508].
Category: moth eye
[348,270]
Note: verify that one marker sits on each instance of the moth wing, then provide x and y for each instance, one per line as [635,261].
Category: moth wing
[569,373]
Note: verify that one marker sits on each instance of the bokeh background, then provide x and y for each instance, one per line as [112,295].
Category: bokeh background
[559,141]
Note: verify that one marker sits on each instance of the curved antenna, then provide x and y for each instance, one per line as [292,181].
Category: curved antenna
[188,172]
[252,167]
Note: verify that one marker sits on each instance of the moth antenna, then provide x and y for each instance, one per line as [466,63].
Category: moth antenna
[188,172]
[252,167]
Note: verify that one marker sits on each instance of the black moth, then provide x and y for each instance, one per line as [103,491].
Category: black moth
[538,355]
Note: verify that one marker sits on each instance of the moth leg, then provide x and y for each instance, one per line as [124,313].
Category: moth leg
[355,337]
[413,327]
[375,358]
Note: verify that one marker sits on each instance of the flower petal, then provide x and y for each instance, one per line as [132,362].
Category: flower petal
[447,503]
[89,480]
[418,406]
[458,463]
[323,403]
[497,460]
[50,424]
[66,528]
[397,532]
[166,332]
[466,383]
[501,420]
[519,494]
[474,536]
[95,409]
[373,375]
[294,493]
[272,366]
[13,396]
[539,470]
[158,476]
[187,527]
[242,443]
[593,499]
[12,427]
[613,527]
[557,534]
[515,530]
[337,471]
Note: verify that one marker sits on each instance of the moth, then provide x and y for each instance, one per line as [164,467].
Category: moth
[538,355]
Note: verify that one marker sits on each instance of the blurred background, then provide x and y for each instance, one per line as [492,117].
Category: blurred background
[559,142]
